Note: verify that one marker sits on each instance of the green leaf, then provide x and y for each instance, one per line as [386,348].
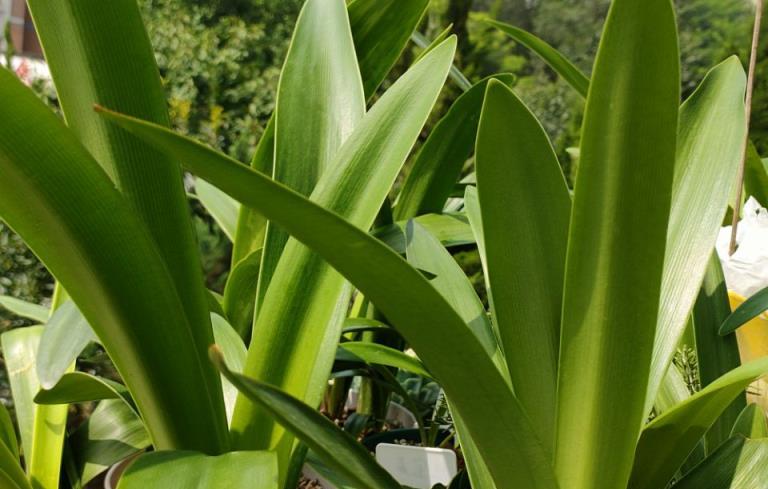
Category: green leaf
[711,134]
[25,309]
[455,73]
[751,423]
[617,237]
[299,322]
[440,160]
[109,264]
[451,229]
[716,355]
[8,433]
[240,293]
[384,355]
[77,387]
[425,252]
[550,55]
[335,447]
[220,206]
[319,104]
[381,29]
[525,207]
[756,176]
[192,470]
[113,432]
[737,464]
[748,310]
[668,439]
[64,338]
[99,52]
[358,325]
[494,419]
[11,474]
[234,351]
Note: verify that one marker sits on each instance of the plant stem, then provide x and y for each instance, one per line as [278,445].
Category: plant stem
[748,115]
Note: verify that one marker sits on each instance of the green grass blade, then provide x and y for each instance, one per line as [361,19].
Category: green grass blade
[493,416]
[25,309]
[668,439]
[617,237]
[711,133]
[112,433]
[751,423]
[381,29]
[220,206]
[439,163]
[99,52]
[738,464]
[106,259]
[11,474]
[451,229]
[716,355]
[525,207]
[65,336]
[321,435]
[750,309]
[191,470]
[550,55]
[299,322]
[384,355]
[320,102]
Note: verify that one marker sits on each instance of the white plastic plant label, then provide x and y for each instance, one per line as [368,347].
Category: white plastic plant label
[417,467]
[746,271]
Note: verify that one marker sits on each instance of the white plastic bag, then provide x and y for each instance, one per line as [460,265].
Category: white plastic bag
[746,271]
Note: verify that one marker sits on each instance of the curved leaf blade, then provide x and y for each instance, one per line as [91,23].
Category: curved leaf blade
[617,237]
[493,417]
[748,310]
[384,355]
[220,206]
[25,309]
[65,336]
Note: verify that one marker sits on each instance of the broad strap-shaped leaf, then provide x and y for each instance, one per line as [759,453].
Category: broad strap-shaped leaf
[748,310]
[11,474]
[234,351]
[240,293]
[299,322]
[711,133]
[192,470]
[440,160]
[220,206]
[525,207]
[455,73]
[25,309]
[451,229]
[737,464]
[109,264]
[8,432]
[494,418]
[716,355]
[111,433]
[384,355]
[554,58]
[76,387]
[751,423]
[334,446]
[65,336]
[99,52]
[381,29]
[668,439]
[320,102]
[616,244]
[427,254]
[756,176]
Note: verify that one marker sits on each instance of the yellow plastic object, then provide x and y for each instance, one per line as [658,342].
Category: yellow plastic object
[753,344]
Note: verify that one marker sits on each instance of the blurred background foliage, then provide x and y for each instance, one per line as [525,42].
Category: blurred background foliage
[220,62]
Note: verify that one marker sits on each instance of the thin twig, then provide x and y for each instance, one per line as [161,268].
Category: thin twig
[748,115]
